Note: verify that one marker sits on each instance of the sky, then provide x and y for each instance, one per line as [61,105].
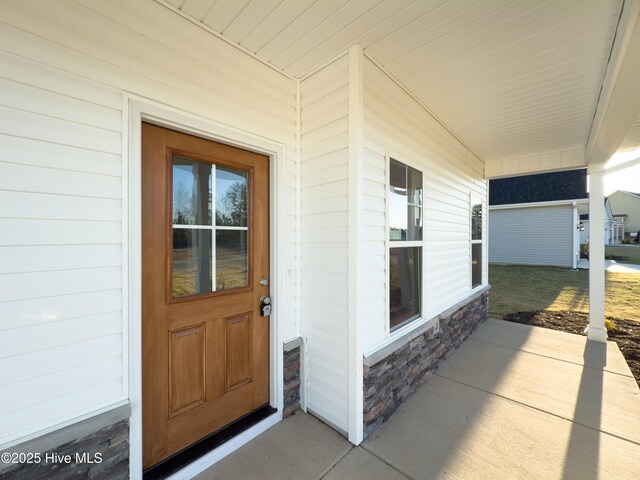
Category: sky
[627,179]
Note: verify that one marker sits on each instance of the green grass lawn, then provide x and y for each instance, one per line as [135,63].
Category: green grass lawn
[630,251]
[518,288]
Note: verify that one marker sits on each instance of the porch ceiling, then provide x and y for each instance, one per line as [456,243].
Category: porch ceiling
[632,139]
[511,78]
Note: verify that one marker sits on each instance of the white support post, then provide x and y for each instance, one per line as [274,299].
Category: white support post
[596,330]
[576,238]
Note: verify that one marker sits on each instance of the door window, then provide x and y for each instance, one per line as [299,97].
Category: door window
[210,229]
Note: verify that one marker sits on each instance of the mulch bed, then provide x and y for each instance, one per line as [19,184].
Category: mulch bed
[626,335]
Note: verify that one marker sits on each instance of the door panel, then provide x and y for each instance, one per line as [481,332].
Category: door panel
[238,351]
[205,245]
[186,368]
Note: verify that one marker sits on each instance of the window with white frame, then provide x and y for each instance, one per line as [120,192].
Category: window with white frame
[405,244]
[476,243]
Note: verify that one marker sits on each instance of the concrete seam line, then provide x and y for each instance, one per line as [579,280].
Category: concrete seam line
[333,465]
[387,463]
[552,358]
[541,410]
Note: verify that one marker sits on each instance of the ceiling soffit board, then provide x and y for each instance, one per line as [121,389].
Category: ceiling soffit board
[538,163]
[632,139]
[512,78]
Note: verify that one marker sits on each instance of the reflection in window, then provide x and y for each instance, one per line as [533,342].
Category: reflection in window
[231,259]
[405,232]
[405,267]
[476,264]
[191,192]
[405,202]
[476,244]
[476,221]
[203,251]
[190,259]
[231,197]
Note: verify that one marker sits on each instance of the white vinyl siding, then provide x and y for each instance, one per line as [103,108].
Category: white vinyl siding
[374,247]
[324,240]
[532,236]
[398,126]
[65,67]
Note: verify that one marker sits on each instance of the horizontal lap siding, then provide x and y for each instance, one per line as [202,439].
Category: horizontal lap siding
[395,124]
[324,239]
[532,236]
[373,269]
[64,68]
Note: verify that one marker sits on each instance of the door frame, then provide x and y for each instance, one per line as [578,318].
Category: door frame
[136,110]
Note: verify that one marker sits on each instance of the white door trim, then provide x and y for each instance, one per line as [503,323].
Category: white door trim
[136,110]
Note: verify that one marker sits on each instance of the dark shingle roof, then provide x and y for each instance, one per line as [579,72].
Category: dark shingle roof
[542,187]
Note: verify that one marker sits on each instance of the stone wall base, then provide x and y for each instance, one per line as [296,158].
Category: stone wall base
[291,382]
[103,454]
[390,381]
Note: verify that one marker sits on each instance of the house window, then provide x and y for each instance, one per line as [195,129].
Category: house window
[476,244]
[405,244]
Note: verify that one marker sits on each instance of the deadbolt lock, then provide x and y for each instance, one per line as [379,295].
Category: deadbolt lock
[265,306]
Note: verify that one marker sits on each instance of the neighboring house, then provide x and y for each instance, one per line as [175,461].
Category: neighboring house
[627,204]
[213,210]
[614,227]
[533,219]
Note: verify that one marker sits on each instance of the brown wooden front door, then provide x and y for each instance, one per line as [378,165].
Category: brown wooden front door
[205,250]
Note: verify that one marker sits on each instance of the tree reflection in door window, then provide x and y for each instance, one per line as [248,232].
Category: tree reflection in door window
[203,251]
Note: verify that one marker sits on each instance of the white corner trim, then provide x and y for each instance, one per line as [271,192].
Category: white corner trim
[356,175]
[138,109]
[303,351]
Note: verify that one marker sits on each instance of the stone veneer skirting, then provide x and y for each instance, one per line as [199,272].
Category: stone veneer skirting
[291,378]
[390,380]
[98,451]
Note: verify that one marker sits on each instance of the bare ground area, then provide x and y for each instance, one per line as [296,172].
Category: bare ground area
[626,332]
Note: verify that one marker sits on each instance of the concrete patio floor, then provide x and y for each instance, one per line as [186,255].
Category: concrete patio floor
[513,402]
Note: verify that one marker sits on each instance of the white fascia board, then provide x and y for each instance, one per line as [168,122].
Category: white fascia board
[553,203]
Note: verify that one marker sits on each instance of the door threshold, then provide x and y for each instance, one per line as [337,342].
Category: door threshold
[201,455]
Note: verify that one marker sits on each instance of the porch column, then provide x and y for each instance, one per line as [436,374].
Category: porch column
[576,238]
[596,330]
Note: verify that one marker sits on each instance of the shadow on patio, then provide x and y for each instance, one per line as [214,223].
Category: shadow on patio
[514,401]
